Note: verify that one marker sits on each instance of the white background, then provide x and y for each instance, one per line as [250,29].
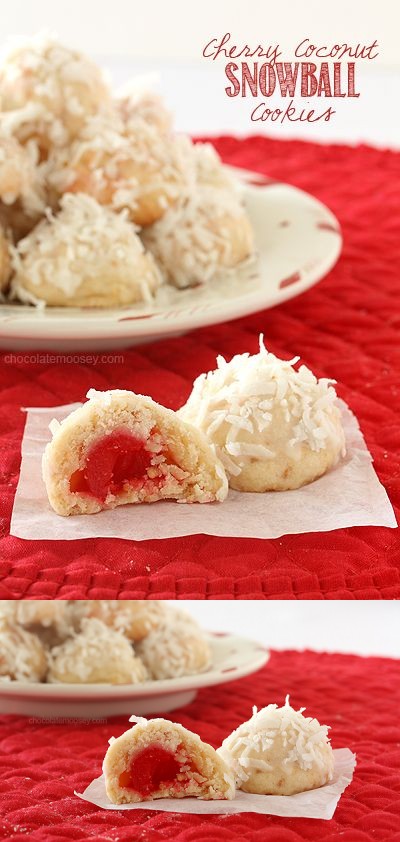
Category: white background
[363,628]
[178,29]
[168,36]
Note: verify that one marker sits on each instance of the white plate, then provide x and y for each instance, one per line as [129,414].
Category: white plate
[298,241]
[232,657]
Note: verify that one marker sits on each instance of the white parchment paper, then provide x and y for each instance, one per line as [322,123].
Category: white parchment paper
[349,495]
[316,804]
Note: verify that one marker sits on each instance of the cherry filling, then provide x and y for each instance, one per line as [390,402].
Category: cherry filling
[110,462]
[148,769]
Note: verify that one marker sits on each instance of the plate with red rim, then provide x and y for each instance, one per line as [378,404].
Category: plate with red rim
[233,657]
[298,241]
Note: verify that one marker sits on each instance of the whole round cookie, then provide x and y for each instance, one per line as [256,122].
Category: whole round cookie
[274,427]
[161,759]
[121,448]
[128,165]
[96,655]
[204,234]
[279,752]
[176,647]
[22,655]
[50,89]
[84,256]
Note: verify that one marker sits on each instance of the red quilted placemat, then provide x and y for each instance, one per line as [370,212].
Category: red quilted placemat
[42,764]
[346,327]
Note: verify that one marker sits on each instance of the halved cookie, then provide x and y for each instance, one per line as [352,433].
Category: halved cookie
[161,759]
[119,448]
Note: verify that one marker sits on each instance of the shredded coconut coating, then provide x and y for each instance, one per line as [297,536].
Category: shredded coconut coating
[90,641]
[204,234]
[261,410]
[202,772]
[50,89]
[131,165]
[84,256]
[22,655]
[175,648]
[279,741]
[96,654]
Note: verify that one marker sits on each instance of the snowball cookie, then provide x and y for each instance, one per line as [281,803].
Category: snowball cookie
[132,166]
[22,655]
[273,427]
[161,759]
[50,89]
[96,655]
[134,618]
[174,648]
[120,448]
[279,752]
[204,234]
[85,256]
